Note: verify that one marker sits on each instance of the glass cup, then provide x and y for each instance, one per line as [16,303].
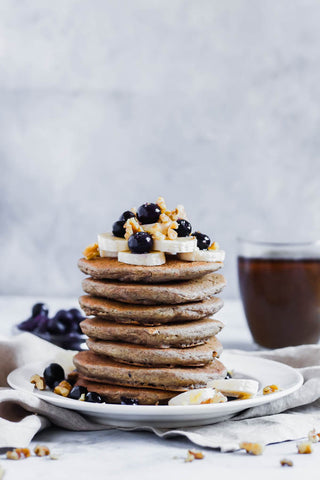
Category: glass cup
[280,291]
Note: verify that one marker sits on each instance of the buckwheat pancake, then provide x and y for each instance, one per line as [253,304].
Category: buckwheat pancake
[99,367]
[173,270]
[115,393]
[149,314]
[147,294]
[158,357]
[162,336]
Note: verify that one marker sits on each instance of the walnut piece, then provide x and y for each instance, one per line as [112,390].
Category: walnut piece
[132,226]
[214,246]
[63,389]
[41,450]
[38,382]
[197,455]
[252,448]
[313,436]
[18,453]
[286,463]
[91,251]
[270,389]
[304,447]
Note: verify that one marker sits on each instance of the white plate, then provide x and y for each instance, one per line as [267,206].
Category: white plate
[267,372]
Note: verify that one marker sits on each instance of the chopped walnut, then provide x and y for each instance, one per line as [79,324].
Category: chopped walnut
[189,457]
[304,447]
[179,212]
[197,455]
[132,226]
[38,382]
[252,448]
[313,436]
[63,389]
[82,397]
[161,204]
[91,251]
[164,218]
[23,451]
[13,455]
[270,389]
[41,450]
[214,246]
[286,463]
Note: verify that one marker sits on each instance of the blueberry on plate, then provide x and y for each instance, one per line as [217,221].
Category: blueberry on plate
[28,325]
[56,327]
[126,215]
[148,213]
[77,391]
[65,317]
[77,315]
[40,308]
[184,228]
[41,323]
[203,241]
[129,401]
[118,229]
[93,397]
[52,374]
[140,242]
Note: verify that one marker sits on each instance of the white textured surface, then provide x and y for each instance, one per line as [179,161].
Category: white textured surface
[105,105]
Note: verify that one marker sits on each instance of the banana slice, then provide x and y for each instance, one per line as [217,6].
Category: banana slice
[236,387]
[182,244]
[198,396]
[106,253]
[110,243]
[146,259]
[203,256]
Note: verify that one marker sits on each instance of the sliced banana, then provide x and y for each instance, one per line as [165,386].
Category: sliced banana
[146,259]
[182,244]
[106,253]
[198,396]
[236,387]
[109,243]
[203,256]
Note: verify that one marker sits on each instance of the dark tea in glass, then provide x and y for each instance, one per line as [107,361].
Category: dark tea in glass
[280,291]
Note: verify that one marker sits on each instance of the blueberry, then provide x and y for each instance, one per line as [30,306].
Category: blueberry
[39,308]
[127,214]
[66,318]
[56,327]
[148,213]
[77,391]
[140,242]
[118,229]
[203,241]
[53,373]
[129,401]
[184,228]
[77,315]
[28,325]
[41,323]
[93,397]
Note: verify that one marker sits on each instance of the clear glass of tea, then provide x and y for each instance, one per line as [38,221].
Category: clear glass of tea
[280,291]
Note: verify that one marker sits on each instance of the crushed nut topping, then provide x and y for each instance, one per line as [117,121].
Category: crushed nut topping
[91,251]
[304,447]
[63,389]
[270,389]
[161,204]
[193,455]
[38,382]
[252,448]
[41,450]
[132,226]
[214,246]
[286,463]
[313,436]
[18,453]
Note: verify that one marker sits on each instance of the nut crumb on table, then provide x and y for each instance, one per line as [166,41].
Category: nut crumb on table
[304,447]
[193,455]
[313,436]
[285,462]
[252,448]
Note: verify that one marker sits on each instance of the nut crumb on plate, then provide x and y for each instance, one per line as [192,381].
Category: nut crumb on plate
[63,389]
[38,382]
[270,389]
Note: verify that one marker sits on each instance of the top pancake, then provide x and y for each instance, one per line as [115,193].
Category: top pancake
[172,270]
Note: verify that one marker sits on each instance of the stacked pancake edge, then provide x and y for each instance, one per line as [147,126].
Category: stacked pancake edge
[151,331]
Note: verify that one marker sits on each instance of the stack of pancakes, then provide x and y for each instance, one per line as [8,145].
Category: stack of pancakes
[149,328]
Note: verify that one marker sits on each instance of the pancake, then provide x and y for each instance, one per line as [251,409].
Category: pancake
[172,270]
[149,315]
[97,366]
[172,335]
[147,294]
[115,393]
[157,357]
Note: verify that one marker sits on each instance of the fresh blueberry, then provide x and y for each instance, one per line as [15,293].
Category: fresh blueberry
[42,323]
[203,241]
[28,325]
[39,308]
[56,327]
[93,397]
[140,242]
[126,215]
[118,229]
[129,401]
[53,373]
[65,317]
[148,213]
[184,228]
[77,315]
[77,391]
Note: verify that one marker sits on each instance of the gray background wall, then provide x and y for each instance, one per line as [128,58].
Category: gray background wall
[108,104]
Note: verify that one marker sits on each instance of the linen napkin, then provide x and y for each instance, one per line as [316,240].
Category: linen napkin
[22,415]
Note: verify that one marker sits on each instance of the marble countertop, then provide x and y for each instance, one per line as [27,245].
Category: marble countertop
[115,454]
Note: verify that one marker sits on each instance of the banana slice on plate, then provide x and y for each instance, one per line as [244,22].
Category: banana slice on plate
[146,259]
[109,243]
[236,387]
[179,245]
[198,396]
[203,255]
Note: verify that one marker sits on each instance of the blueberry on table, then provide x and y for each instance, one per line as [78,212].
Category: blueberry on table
[184,228]
[52,374]
[93,397]
[203,241]
[118,229]
[40,308]
[148,213]
[140,242]
[129,401]
[126,215]
[77,391]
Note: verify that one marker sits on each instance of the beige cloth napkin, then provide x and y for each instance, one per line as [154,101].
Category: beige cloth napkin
[22,415]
